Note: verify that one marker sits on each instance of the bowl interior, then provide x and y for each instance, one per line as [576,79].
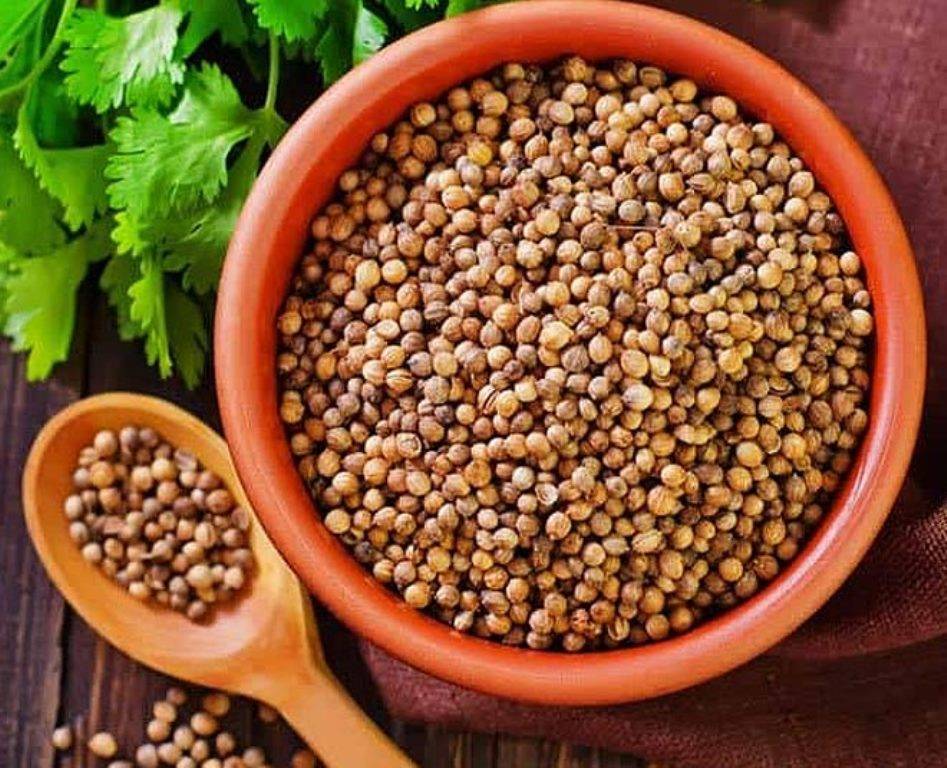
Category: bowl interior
[300,178]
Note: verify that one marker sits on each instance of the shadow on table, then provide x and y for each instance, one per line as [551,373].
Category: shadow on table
[820,13]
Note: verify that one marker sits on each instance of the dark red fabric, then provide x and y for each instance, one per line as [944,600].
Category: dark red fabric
[863,683]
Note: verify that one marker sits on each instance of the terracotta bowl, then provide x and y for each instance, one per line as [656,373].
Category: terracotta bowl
[300,177]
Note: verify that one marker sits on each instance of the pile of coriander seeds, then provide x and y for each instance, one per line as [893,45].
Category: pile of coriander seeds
[578,356]
[157,522]
[182,736]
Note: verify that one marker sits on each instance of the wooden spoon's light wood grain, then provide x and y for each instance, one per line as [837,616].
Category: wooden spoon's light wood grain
[264,644]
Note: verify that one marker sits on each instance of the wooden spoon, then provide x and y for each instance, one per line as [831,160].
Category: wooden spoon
[264,644]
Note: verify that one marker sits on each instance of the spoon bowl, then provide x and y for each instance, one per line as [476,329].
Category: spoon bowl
[263,644]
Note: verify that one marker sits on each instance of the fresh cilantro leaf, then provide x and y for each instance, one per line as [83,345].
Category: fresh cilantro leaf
[129,234]
[40,300]
[112,61]
[187,335]
[120,273]
[7,257]
[147,311]
[73,176]
[163,163]
[411,18]
[353,34]
[29,217]
[54,116]
[16,17]
[21,33]
[205,17]
[417,4]
[370,31]
[197,243]
[291,19]
[457,7]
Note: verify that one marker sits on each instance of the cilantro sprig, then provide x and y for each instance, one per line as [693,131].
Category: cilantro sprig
[131,132]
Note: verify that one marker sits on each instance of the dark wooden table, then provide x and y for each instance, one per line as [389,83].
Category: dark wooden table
[54,669]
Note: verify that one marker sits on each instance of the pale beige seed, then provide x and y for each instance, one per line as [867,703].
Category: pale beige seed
[62,738]
[103,744]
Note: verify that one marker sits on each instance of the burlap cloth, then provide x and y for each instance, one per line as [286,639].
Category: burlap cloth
[863,683]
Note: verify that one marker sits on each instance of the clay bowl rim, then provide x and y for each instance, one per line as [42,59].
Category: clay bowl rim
[272,231]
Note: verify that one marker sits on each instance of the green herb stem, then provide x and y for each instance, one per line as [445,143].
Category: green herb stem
[272,80]
[46,59]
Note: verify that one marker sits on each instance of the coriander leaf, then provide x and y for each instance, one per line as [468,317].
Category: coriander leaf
[411,18]
[129,235]
[112,61]
[352,35]
[168,163]
[40,302]
[147,310]
[187,335]
[197,243]
[418,4]
[291,19]
[7,257]
[29,217]
[120,273]
[16,17]
[457,7]
[370,31]
[53,115]
[205,17]
[73,176]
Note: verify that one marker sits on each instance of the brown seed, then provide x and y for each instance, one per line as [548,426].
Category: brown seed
[103,744]
[216,704]
[62,738]
[204,723]
[267,714]
[303,758]
[146,756]
[516,368]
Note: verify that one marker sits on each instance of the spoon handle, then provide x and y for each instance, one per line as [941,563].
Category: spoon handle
[321,711]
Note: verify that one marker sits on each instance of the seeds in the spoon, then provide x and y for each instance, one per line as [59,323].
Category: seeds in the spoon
[157,522]
[564,350]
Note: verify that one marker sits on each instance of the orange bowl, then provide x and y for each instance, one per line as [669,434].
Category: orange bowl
[300,178]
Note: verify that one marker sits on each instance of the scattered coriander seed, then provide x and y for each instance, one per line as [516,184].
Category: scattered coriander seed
[303,759]
[165,710]
[146,756]
[592,373]
[62,738]
[266,713]
[204,723]
[158,730]
[169,753]
[103,744]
